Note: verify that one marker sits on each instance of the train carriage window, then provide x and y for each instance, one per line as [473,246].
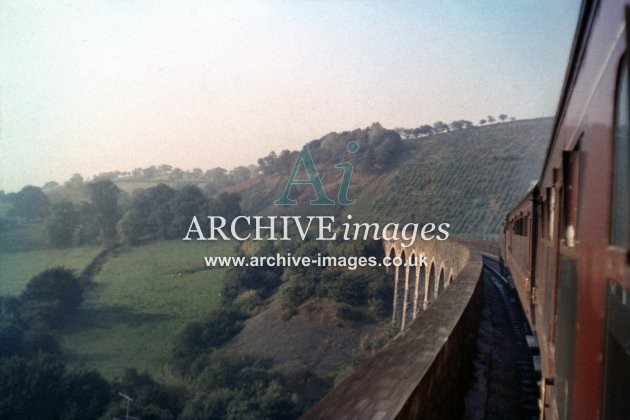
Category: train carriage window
[571,188]
[621,159]
[551,193]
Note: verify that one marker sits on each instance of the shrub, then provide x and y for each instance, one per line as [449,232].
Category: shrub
[51,295]
[350,288]
[350,314]
[248,300]
[294,292]
[199,337]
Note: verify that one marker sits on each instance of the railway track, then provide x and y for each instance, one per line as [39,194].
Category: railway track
[505,365]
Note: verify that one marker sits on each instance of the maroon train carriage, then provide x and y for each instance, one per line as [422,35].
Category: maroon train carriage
[567,244]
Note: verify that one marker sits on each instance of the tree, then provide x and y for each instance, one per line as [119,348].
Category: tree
[350,288]
[104,195]
[198,337]
[440,127]
[503,117]
[51,295]
[86,395]
[227,205]
[87,224]
[165,169]
[426,130]
[240,174]
[276,402]
[50,185]
[457,125]
[30,389]
[11,326]
[159,210]
[491,119]
[30,203]
[151,400]
[267,165]
[177,174]
[130,227]
[482,122]
[286,160]
[237,387]
[75,181]
[150,172]
[187,202]
[62,224]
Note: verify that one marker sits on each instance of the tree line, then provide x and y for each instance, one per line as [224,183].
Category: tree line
[438,127]
[112,216]
[212,180]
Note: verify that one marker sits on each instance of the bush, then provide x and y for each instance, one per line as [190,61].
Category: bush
[264,280]
[197,338]
[350,314]
[212,405]
[294,292]
[220,325]
[86,397]
[241,387]
[248,301]
[377,308]
[42,389]
[51,295]
[350,288]
[151,400]
[29,389]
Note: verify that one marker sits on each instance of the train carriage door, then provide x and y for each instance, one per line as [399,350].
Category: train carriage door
[616,390]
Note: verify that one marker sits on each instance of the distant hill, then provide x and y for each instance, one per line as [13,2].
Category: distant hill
[468,178]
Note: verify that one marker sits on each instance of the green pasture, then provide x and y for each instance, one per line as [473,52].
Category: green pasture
[17,268]
[140,299]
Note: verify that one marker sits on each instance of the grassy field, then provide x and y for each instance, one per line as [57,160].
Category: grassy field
[17,268]
[141,298]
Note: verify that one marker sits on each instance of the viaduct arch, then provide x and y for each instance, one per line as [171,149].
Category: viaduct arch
[422,272]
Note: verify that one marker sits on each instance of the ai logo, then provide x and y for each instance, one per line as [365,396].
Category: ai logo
[313,179]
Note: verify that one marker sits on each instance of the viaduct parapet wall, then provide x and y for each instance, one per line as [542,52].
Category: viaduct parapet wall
[423,372]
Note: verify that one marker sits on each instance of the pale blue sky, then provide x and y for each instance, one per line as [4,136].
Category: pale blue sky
[116,84]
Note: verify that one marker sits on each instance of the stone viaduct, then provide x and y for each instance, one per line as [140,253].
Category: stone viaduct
[423,372]
[422,272]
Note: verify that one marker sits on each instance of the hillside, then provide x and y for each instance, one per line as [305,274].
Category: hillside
[467,178]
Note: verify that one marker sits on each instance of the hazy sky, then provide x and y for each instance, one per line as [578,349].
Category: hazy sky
[93,86]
